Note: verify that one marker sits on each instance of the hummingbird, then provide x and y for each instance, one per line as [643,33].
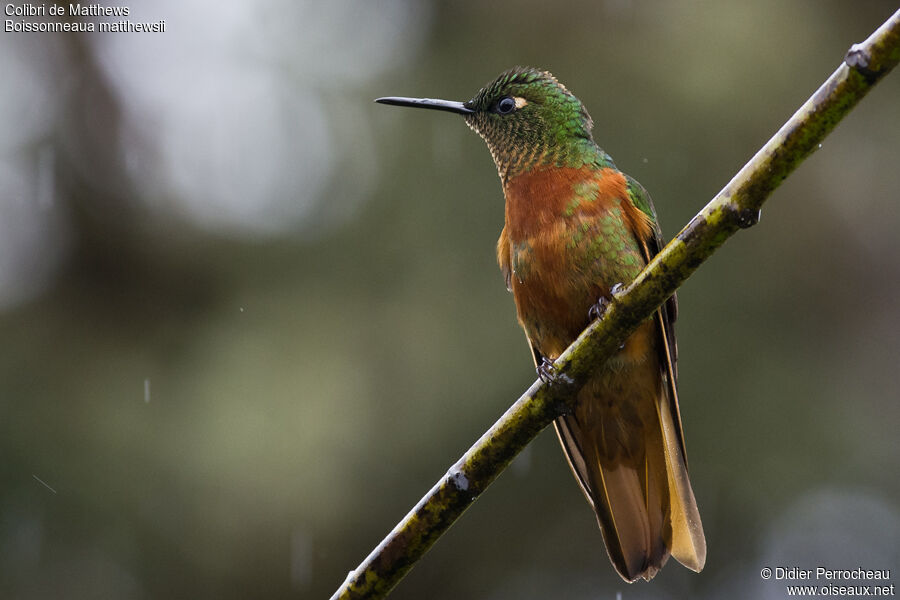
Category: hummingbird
[576,229]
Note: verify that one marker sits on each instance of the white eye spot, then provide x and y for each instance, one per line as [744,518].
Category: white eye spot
[520,102]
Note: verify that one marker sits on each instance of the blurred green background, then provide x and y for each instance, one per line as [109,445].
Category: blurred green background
[248,317]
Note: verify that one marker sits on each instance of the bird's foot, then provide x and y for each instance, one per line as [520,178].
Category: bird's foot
[596,311]
[546,371]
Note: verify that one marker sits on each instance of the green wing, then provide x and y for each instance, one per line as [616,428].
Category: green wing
[668,312]
[641,198]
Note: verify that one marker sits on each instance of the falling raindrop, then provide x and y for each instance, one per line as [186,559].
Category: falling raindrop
[46,179]
[147,390]
[521,466]
[43,483]
[301,558]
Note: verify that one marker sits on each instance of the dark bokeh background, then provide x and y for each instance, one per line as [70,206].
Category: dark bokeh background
[248,317]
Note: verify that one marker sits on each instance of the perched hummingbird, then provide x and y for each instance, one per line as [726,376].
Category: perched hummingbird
[576,228]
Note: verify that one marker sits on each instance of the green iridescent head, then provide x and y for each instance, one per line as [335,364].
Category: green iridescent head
[527,118]
[528,113]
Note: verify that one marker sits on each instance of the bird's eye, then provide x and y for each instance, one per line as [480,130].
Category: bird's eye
[506,105]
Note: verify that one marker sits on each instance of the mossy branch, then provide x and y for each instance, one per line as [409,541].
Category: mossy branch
[736,207]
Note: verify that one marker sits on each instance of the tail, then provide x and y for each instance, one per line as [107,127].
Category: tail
[627,453]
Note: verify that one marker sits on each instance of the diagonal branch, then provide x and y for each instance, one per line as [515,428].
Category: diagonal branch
[736,207]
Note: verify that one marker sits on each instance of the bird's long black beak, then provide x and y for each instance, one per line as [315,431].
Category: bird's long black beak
[447,105]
